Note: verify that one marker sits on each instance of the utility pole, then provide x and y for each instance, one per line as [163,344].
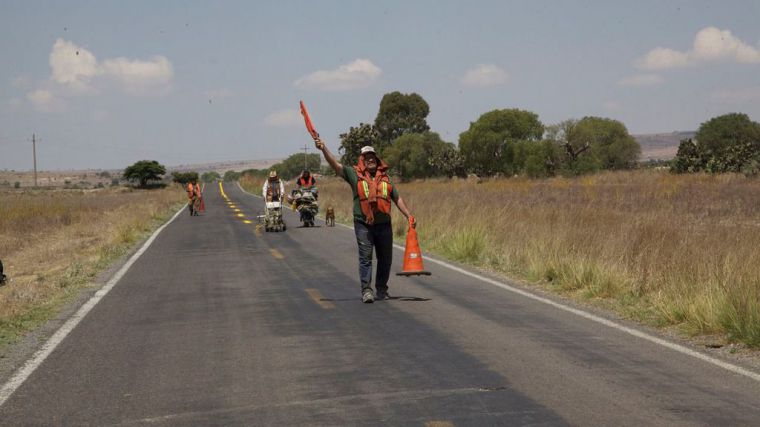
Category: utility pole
[305,149]
[34,154]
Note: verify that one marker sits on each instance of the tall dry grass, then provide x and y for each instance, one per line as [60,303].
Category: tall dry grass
[54,242]
[661,248]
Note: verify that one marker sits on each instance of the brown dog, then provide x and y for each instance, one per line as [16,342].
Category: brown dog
[330,217]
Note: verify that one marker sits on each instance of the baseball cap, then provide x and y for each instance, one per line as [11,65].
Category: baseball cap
[368,149]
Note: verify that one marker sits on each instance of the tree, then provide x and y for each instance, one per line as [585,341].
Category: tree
[144,171]
[292,166]
[230,176]
[210,176]
[448,161]
[729,143]
[184,177]
[400,114]
[352,141]
[687,158]
[592,144]
[410,155]
[608,141]
[487,146]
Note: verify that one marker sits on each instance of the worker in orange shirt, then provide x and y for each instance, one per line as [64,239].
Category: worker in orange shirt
[194,197]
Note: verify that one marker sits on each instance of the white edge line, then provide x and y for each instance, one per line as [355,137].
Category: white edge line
[40,355]
[636,333]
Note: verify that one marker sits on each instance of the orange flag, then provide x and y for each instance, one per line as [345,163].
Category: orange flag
[307,120]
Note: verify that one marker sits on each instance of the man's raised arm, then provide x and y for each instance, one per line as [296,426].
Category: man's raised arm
[328,156]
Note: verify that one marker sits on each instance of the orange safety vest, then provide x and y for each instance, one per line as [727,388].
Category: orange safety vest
[306,183]
[374,193]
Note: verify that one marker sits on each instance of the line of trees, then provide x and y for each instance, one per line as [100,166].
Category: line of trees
[500,142]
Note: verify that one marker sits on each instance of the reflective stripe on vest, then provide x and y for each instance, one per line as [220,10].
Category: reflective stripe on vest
[365,186]
[385,190]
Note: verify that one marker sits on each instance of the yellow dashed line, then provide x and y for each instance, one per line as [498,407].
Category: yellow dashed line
[237,210]
[275,253]
[247,221]
[240,215]
[319,299]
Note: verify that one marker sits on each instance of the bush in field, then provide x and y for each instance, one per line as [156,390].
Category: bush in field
[114,182]
[488,145]
[210,176]
[144,171]
[727,143]
[16,184]
[231,176]
[410,154]
[184,177]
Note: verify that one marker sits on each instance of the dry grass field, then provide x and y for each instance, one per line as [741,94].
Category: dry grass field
[54,242]
[668,250]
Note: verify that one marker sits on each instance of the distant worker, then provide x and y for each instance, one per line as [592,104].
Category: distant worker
[198,198]
[191,197]
[306,180]
[373,192]
[273,188]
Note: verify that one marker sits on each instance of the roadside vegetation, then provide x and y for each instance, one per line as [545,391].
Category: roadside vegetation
[664,249]
[54,242]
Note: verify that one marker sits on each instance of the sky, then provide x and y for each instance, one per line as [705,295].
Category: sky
[103,84]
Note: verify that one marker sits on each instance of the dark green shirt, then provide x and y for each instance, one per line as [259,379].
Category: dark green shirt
[349,174]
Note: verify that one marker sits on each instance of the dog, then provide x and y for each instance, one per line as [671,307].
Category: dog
[330,216]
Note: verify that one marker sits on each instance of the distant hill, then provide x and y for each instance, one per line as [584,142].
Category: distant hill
[661,146]
[222,167]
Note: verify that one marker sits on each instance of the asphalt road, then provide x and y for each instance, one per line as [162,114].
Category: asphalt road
[220,324]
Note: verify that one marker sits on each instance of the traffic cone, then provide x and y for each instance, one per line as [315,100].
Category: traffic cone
[412,254]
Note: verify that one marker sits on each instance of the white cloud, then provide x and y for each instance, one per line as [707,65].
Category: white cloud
[642,80]
[76,68]
[137,75]
[284,118]
[73,66]
[44,100]
[484,75]
[358,74]
[710,45]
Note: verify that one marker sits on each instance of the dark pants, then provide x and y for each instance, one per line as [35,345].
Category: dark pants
[379,237]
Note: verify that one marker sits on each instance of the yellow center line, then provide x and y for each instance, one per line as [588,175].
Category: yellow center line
[275,253]
[439,424]
[319,299]
[247,221]
[240,215]
[237,210]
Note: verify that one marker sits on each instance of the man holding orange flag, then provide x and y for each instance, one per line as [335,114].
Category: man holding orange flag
[373,193]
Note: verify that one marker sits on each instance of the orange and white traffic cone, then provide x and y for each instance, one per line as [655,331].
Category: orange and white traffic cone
[412,255]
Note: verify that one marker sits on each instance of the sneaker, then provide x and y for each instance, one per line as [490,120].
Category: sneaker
[367,296]
[383,295]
